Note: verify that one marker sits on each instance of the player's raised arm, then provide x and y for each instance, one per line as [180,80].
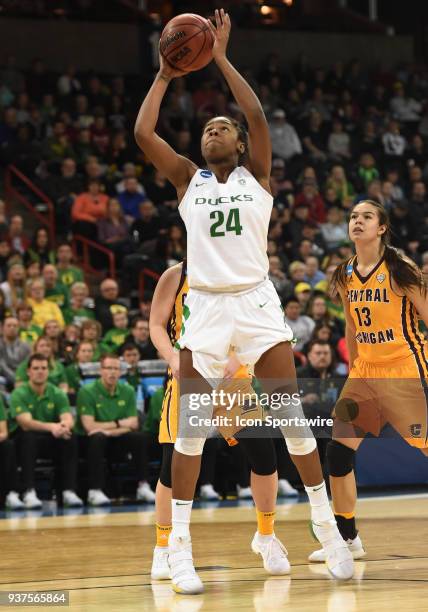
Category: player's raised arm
[260,151]
[160,313]
[176,168]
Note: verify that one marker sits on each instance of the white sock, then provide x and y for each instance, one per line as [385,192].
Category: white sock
[320,506]
[181,511]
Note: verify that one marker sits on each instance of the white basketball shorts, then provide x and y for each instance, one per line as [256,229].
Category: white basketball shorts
[249,322]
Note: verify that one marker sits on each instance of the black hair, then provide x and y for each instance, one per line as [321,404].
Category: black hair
[404,272]
[291,299]
[315,341]
[128,346]
[242,135]
[36,357]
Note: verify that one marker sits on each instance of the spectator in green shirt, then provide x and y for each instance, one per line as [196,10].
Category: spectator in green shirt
[56,370]
[45,423]
[108,421]
[152,420]
[91,331]
[77,311]
[115,337]
[8,469]
[55,291]
[28,332]
[67,273]
[84,354]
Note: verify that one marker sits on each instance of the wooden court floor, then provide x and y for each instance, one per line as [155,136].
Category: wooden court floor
[104,561]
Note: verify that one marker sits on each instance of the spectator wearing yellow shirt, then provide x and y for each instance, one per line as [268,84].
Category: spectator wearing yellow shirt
[43,310]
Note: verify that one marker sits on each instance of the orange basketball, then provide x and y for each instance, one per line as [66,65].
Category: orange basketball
[186,42]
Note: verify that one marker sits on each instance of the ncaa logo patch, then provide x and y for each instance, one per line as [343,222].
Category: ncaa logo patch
[206,173]
[381,277]
[349,269]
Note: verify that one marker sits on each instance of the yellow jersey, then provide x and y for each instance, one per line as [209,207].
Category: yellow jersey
[386,323]
[178,311]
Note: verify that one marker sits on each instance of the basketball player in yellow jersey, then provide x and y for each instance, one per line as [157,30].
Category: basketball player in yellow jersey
[383,293]
[167,315]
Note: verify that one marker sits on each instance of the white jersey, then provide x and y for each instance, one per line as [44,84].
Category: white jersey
[227,226]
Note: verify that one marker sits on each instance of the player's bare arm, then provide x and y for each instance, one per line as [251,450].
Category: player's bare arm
[350,330]
[162,305]
[420,302]
[260,151]
[178,169]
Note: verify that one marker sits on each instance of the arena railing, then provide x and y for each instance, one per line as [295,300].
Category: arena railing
[87,247]
[12,192]
[146,272]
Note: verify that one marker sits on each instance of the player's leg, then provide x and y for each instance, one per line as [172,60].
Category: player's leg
[340,459]
[357,412]
[186,464]
[276,371]
[260,453]
[160,567]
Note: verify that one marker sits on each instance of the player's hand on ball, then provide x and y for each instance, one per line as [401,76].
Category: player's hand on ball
[166,71]
[221,33]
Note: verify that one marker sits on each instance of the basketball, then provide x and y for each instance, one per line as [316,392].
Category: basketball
[186,42]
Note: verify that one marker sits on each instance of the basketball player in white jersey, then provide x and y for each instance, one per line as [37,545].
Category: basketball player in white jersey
[226,208]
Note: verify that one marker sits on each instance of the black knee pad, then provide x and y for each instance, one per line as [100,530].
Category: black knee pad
[165,471]
[260,453]
[340,458]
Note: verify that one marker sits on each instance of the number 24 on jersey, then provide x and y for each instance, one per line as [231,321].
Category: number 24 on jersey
[233,223]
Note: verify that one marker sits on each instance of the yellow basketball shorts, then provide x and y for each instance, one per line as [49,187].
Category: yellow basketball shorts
[376,395]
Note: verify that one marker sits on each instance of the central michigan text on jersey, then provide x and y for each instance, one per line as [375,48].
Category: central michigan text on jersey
[386,323]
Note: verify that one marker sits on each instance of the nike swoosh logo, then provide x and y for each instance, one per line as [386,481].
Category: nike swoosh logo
[262,305]
[318,488]
[181,504]
[199,184]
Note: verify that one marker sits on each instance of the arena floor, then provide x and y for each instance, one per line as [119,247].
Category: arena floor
[104,558]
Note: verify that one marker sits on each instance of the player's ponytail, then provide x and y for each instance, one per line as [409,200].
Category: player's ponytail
[403,271]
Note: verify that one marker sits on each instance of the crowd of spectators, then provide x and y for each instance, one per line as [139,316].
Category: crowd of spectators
[338,135]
